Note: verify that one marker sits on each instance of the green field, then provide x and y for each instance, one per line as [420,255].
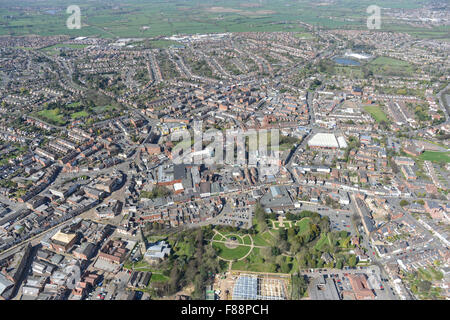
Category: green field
[323,241]
[253,262]
[52,115]
[377,113]
[247,239]
[262,240]
[391,67]
[231,254]
[80,114]
[144,19]
[435,156]
[157,277]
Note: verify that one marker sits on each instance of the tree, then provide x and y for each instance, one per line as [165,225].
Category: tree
[424,286]
[260,216]
[299,286]
[404,202]
[174,277]
[285,267]
[352,261]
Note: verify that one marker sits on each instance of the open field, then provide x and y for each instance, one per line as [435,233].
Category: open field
[436,156]
[52,115]
[134,18]
[376,113]
[389,66]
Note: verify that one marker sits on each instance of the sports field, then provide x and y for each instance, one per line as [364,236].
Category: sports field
[436,156]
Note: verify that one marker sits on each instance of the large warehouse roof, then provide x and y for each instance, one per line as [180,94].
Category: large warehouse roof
[324,140]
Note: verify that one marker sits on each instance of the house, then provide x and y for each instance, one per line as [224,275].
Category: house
[328,258]
[158,251]
[434,209]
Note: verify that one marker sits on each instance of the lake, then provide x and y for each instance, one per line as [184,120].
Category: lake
[346,61]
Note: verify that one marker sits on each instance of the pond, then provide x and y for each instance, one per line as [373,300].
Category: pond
[346,61]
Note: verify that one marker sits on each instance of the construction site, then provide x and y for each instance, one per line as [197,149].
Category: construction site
[237,285]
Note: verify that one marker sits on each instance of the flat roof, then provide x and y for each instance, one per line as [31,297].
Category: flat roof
[63,237]
[325,140]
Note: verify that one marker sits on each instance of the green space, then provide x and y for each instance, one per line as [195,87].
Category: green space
[304,35]
[79,114]
[235,237]
[264,239]
[435,156]
[135,18]
[156,192]
[218,237]
[390,67]
[53,116]
[304,225]
[192,262]
[253,262]
[230,254]
[247,240]
[157,277]
[377,113]
[323,241]
[421,283]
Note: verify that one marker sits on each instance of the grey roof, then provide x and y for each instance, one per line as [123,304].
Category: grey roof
[4,283]
[327,290]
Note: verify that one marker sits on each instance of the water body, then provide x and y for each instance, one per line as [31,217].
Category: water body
[346,61]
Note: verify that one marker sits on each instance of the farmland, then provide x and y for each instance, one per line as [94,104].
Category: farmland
[133,18]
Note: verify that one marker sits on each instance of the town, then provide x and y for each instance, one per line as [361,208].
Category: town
[93,205]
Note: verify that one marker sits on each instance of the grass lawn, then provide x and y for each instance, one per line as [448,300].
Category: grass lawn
[253,262]
[218,237]
[100,109]
[390,66]
[231,254]
[268,238]
[261,240]
[304,225]
[80,114]
[304,35]
[157,277]
[323,241]
[52,115]
[435,156]
[247,240]
[376,113]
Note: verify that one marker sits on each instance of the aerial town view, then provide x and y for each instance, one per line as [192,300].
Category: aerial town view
[224,150]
